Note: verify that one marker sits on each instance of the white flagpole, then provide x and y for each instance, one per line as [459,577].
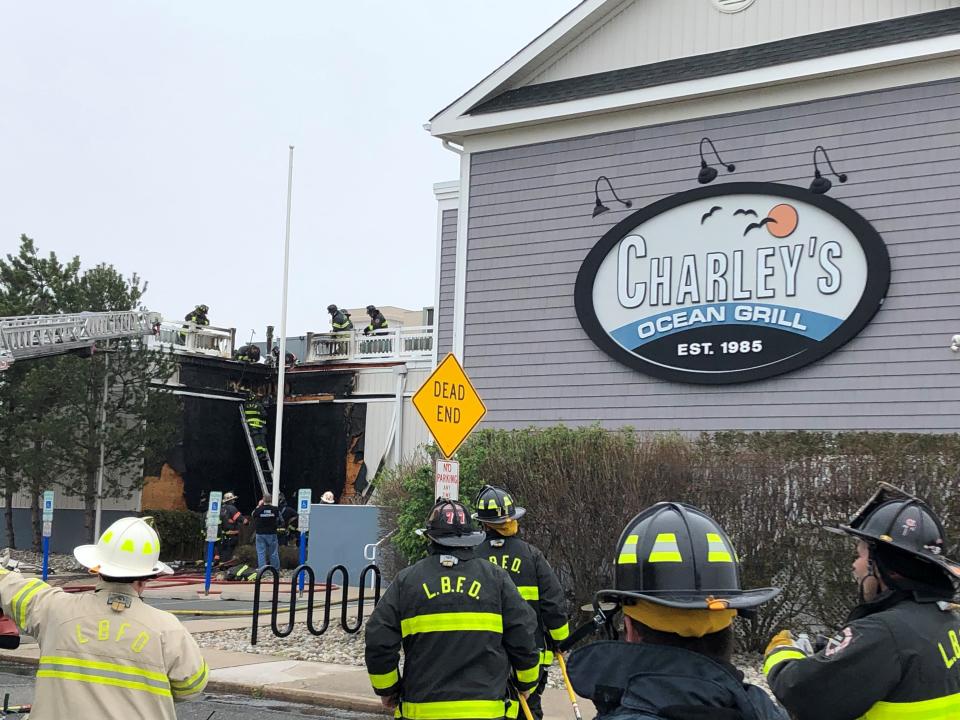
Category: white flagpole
[282,358]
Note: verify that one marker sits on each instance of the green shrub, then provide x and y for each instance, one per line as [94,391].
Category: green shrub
[182,533]
[771,491]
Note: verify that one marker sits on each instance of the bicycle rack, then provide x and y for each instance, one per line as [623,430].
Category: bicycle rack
[311,592]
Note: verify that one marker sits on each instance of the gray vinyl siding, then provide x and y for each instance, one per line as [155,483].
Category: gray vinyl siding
[448,267]
[530,228]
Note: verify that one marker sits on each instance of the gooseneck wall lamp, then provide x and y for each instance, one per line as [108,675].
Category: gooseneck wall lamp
[820,184]
[599,208]
[708,173]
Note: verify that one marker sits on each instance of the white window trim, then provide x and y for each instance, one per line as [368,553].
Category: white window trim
[460,281]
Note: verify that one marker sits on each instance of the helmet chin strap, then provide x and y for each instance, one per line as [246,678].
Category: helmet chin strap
[865,592]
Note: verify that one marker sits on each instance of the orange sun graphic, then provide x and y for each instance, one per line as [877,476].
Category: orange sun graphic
[786,220]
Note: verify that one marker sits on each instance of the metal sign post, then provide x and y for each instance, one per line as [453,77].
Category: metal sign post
[303,525]
[47,530]
[213,530]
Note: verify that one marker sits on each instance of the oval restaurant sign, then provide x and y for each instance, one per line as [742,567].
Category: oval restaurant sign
[732,283]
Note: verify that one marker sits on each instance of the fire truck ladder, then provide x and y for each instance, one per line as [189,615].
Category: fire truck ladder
[254,456]
[34,336]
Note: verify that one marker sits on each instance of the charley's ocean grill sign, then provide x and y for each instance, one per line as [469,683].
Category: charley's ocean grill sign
[732,283]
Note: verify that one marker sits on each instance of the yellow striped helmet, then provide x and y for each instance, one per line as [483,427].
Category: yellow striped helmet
[496,506]
[676,555]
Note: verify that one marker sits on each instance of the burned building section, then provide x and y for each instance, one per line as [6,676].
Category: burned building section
[323,434]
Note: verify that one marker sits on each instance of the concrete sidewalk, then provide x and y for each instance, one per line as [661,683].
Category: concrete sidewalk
[324,684]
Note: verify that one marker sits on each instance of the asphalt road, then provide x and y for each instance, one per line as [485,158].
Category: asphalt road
[18,681]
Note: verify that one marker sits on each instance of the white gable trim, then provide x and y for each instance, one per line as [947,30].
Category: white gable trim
[448,198]
[571,25]
[457,128]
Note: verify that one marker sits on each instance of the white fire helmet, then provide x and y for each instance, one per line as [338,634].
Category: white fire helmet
[130,548]
[327,498]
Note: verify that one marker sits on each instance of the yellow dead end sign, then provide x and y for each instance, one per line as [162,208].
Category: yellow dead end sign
[449,405]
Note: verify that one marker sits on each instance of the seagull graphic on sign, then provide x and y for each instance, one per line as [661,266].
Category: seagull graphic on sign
[449,405]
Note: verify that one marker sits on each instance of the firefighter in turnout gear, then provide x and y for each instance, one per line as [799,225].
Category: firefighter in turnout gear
[467,635]
[377,320]
[106,654]
[530,572]
[677,582]
[898,655]
[339,320]
[256,420]
[198,316]
[288,523]
[230,521]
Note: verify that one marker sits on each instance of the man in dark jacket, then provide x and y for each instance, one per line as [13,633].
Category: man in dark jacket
[265,519]
[377,320]
[678,585]
[530,572]
[465,631]
[897,655]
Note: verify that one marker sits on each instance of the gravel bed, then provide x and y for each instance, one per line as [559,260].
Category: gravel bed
[58,564]
[336,646]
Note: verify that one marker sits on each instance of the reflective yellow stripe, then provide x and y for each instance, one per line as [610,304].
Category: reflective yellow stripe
[454,710]
[546,657]
[452,622]
[513,709]
[717,549]
[98,665]
[665,549]
[384,681]
[530,675]
[628,553]
[937,709]
[191,685]
[97,680]
[529,592]
[561,633]
[778,656]
[25,603]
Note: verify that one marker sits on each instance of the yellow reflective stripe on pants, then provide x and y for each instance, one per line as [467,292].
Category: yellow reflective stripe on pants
[943,708]
[546,657]
[513,709]
[452,622]
[191,685]
[454,710]
[529,592]
[102,673]
[561,633]
[530,675]
[21,601]
[778,656]
[384,681]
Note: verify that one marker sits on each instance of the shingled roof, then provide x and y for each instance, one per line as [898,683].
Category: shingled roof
[697,67]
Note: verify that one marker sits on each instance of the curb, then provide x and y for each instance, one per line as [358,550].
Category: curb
[299,695]
[269,692]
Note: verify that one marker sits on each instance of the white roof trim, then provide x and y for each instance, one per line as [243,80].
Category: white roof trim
[456,127]
[570,25]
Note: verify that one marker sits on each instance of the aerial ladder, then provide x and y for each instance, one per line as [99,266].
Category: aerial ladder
[34,336]
[255,457]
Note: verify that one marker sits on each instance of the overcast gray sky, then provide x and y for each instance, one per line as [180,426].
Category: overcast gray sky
[153,134]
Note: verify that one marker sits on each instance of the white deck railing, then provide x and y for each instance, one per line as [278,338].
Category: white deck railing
[200,339]
[405,343]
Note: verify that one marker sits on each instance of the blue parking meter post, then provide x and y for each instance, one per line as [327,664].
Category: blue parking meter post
[47,531]
[303,525]
[213,531]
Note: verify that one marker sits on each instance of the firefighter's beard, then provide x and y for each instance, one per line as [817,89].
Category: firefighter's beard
[868,587]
